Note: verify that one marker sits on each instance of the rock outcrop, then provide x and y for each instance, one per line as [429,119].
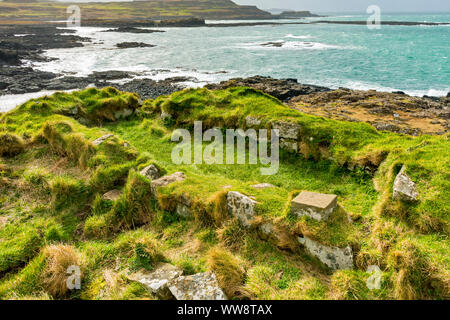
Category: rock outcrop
[404,188]
[151,172]
[158,281]
[334,258]
[200,286]
[166,180]
[282,89]
[127,45]
[241,207]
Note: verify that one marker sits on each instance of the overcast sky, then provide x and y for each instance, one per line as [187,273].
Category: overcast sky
[353,5]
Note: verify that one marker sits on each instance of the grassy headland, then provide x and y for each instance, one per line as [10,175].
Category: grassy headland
[135,11]
[53,214]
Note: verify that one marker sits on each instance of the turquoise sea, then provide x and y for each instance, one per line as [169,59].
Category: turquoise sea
[414,59]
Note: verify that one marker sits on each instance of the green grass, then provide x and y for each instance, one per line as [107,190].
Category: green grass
[52,188]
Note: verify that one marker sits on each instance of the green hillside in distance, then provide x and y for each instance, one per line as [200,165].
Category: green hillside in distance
[20,12]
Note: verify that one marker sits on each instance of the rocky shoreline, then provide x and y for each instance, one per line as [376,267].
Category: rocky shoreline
[396,112]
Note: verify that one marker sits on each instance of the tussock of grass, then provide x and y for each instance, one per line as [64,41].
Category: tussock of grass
[11,144]
[67,192]
[229,271]
[58,259]
[134,207]
[20,245]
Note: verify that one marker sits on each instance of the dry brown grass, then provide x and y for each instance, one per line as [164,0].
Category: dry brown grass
[219,207]
[229,271]
[59,257]
[232,235]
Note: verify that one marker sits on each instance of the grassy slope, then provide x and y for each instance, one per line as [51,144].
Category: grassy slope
[141,10]
[50,196]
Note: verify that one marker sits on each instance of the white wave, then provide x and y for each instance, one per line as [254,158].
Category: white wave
[10,101]
[290,45]
[298,37]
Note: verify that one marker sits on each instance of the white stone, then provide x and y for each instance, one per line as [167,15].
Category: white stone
[102,139]
[157,282]
[404,188]
[332,257]
[200,286]
[242,207]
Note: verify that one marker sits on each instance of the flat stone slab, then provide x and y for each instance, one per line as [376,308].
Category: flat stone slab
[157,282]
[200,286]
[318,206]
[334,258]
[151,172]
[166,180]
[242,207]
[102,139]
[112,195]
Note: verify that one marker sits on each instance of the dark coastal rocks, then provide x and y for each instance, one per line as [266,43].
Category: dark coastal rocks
[182,22]
[127,29]
[281,89]
[9,57]
[396,112]
[126,45]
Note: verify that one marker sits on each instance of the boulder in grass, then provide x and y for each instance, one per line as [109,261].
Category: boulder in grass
[242,207]
[404,188]
[287,130]
[157,281]
[332,257]
[112,195]
[151,172]
[200,286]
[166,180]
